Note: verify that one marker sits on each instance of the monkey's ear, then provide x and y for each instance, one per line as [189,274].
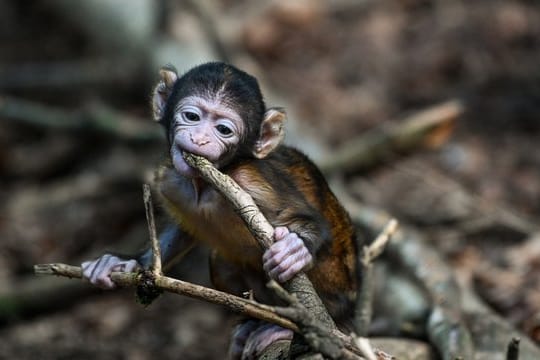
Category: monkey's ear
[272,132]
[162,91]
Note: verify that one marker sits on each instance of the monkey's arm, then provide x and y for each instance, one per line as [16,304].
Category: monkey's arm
[172,241]
[300,230]
[299,237]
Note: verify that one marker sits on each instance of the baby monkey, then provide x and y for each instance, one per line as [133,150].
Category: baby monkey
[217,111]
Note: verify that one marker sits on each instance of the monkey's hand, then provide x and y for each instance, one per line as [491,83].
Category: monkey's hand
[287,256]
[253,336]
[98,272]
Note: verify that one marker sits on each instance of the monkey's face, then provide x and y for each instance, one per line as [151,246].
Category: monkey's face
[216,111]
[205,127]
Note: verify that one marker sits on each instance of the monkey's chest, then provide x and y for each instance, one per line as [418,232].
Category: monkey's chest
[211,220]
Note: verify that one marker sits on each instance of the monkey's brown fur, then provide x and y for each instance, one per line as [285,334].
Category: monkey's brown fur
[291,192]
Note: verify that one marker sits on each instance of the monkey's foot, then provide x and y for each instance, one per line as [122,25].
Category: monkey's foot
[262,337]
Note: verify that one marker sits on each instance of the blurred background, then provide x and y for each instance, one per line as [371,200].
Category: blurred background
[77,141]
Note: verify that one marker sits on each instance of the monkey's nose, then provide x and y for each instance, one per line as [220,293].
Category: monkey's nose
[200,140]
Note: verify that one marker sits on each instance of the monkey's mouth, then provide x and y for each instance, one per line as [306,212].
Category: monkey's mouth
[180,164]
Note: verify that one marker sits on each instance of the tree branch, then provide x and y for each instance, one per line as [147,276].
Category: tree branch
[156,251]
[364,307]
[235,303]
[275,315]
[261,229]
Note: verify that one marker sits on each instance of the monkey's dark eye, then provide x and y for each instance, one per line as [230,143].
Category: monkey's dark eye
[225,130]
[191,116]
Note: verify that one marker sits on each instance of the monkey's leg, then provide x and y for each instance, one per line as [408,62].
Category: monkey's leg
[240,336]
[252,336]
[262,337]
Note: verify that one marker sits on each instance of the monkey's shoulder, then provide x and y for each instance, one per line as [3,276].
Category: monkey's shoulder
[288,188]
[283,162]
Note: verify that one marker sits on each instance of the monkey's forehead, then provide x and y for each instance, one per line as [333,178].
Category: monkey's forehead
[213,104]
[235,91]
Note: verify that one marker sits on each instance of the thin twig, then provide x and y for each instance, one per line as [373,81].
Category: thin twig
[377,246]
[156,251]
[364,300]
[235,303]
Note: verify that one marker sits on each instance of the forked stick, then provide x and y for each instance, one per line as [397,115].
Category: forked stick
[261,229]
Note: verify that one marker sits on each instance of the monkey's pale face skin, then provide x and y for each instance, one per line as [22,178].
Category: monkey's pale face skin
[204,127]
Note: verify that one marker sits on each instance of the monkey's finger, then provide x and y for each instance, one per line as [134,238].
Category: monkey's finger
[100,264]
[104,281]
[272,260]
[131,266]
[126,266]
[280,247]
[102,270]
[277,272]
[276,260]
[87,269]
[280,250]
[280,232]
[291,271]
